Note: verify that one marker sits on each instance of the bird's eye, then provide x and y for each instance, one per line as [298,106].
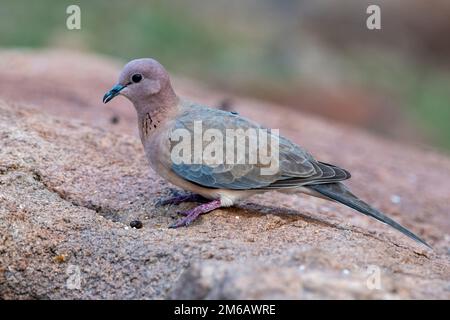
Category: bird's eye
[136,77]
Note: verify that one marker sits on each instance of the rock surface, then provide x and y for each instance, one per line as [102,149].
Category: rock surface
[71,181]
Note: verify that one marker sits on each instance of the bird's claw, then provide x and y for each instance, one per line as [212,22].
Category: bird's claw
[178,198]
[163,202]
[183,222]
[189,217]
[172,200]
[193,214]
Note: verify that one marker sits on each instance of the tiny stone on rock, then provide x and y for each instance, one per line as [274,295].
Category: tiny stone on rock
[136,224]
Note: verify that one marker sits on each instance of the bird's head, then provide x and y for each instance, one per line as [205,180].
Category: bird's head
[141,80]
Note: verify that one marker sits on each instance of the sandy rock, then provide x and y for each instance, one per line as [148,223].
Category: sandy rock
[69,189]
[211,280]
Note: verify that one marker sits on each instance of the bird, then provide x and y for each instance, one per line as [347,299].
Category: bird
[161,112]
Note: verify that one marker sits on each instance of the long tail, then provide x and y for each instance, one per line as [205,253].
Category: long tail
[340,193]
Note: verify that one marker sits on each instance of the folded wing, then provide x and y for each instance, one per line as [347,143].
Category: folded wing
[296,167]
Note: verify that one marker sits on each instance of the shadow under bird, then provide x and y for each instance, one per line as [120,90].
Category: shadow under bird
[146,84]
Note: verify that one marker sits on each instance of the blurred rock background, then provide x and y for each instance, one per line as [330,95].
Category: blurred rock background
[317,56]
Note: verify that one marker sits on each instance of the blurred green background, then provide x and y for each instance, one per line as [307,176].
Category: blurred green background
[314,55]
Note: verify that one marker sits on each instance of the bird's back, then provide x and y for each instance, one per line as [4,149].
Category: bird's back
[296,166]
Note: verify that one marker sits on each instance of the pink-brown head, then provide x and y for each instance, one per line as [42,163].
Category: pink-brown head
[143,81]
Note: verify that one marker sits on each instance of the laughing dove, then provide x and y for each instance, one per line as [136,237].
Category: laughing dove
[161,112]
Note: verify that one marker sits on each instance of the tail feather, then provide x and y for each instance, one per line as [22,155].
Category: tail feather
[340,193]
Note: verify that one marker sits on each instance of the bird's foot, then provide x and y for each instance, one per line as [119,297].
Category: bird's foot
[193,214]
[180,198]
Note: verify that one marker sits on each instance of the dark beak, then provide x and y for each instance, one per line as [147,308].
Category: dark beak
[112,93]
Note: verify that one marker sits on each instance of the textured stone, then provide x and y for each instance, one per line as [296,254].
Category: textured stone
[71,183]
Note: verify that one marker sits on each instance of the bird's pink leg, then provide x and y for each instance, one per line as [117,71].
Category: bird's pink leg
[180,198]
[192,214]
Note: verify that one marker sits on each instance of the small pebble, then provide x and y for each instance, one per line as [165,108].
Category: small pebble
[60,258]
[136,224]
[345,272]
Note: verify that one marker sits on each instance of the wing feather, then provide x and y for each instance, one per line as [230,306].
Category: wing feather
[296,166]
